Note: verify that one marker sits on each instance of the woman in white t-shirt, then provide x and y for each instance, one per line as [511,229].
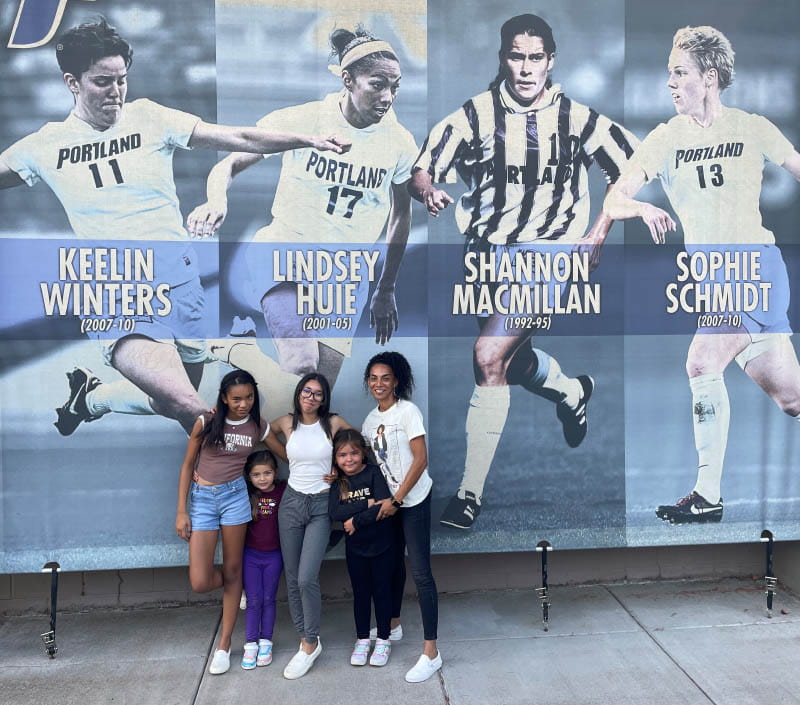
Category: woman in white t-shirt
[395,431]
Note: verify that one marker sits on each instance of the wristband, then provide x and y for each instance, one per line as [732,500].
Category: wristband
[397,502]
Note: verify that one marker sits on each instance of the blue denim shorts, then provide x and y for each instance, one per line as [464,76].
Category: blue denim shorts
[213,506]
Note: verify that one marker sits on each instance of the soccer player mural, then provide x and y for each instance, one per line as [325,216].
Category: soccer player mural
[467,183]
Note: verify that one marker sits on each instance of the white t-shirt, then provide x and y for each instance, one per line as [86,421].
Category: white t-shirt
[329,197]
[390,433]
[116,184]
[712,175]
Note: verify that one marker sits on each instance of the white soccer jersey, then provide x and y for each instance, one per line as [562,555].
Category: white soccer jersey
[329,197]
[526,169]
[115,184]
[712,175]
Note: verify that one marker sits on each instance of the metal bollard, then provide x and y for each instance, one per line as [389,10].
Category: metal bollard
[49,638]
[771,582]
[544,596]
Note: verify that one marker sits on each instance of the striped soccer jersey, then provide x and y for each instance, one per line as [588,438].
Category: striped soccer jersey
[526,169]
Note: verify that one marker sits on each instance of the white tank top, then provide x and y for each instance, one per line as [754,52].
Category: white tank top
[310,454]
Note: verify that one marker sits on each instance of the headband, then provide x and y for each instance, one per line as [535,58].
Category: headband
[359,51]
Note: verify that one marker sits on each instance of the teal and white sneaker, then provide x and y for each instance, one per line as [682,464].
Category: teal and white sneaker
[249,655]
[360,651]
[380,655]
[264,652]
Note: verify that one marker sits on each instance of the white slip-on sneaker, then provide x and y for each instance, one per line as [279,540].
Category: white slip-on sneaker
[360,651]
[395,635]
[220,663]
[424,668]
[380,656]
[301,662]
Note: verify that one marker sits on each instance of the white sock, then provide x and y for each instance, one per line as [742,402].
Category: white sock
[122,397]
[557,386]
[276,386]
[486,418]
[711,417]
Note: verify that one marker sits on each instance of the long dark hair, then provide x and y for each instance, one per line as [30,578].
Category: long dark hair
[213,433]
[533,26]
[259,457]
[324,410]
[400,369]
[342,40]
[349,437]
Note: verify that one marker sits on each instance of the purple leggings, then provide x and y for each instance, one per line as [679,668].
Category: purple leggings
[260,573]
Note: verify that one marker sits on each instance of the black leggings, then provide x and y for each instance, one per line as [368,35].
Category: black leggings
[372,582]
[414,533]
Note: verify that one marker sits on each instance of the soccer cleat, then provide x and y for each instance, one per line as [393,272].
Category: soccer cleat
[243,327]
[461,513]
[691,509]
[573,420]
[81,382]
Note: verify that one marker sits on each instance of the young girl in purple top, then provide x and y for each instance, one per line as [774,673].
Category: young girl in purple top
[262,563]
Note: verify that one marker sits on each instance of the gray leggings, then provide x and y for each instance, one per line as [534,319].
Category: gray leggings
[304,527]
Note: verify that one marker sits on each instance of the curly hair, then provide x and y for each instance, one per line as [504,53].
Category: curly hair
[400,369]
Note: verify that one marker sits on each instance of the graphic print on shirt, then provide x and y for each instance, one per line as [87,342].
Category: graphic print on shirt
[384,443]
[359,495]
[267,506]
[234,441]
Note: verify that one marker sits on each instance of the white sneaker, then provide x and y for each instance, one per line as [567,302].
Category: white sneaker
[220,663]
[380,656]
[243,602]
[395,635]
[360,651]
[301,662]
[264,657]
[424,668]
[249,655]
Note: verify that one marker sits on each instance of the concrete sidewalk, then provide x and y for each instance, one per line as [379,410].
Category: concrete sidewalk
[668,642]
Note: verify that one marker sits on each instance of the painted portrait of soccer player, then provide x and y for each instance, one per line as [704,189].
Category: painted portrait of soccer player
[324,209]
[523,148]
[709,159]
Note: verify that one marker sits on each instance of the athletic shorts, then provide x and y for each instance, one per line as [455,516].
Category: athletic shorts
[212,506]
[766,310]
[548,286]
[183,327]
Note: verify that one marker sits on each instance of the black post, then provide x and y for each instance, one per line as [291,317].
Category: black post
[49,638]
[771,582]
[543,547]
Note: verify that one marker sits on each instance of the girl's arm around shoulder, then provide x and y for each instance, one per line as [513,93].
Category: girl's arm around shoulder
[274,443]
